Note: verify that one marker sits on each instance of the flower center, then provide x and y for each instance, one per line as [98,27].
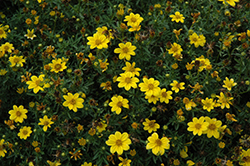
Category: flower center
[6,47]
[195,39]
[18,113]
[212,127]
[164,94]
[133,19]
[37,82]
[198,126]
[178,85]
[150,86]
[73,101]
[158,142]
[46,123]
[16,60]
[125,49]
[1,31]
[177,16]
[98,42]
[58,66]
[174,49]
[246,159]
[118,142]
[127,79]
[119,104]
[151,124]
[25,132]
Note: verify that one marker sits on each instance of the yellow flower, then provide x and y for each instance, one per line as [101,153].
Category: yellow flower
[35,143]
[202,40]
[30,34]
[177,86]
[46,122]
[175,49]
[248,33]
[3,72]
[103,65]
[18,114]
[127,81]
[150,125]
[36,83]
[183,152]
[131,68]
[198,126]
[120,12]
[16,60]
[73,101]
[221,145]
[224,100]
[98,41]
[177,17]
[7,47]
[118,142]
[76,154]
[133,19]
[86,164]
[213,127]
[92,132]
[245,158]
[177,33]
[55,163]
[165,96]
[104,31]
[194,39]
[150,86]
[117,103]
[152,98]
[229,163]
[157,145]
[52,13]
[82,141]
[136,27]
[125,50]
[124,162]
[132,152]
[24,132]
[230,2]
[230,117]
[190,163]
[101,126]
[229,83]
[203,63]
[188,103]
[2,33]
[208,104]
[57,65]
[2,150]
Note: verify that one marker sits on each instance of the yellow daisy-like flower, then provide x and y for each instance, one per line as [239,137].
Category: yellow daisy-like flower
[101,126]
[16,60]
[55,163]
[30,34]
[18,114]
[118,142]
[194,39]
[245,158]
[73,101]
[131,68]
[24,132]
[2,33]
[75,154]
[165,95]
[124,162]
[104,31]
[177,17]
[133,19]
[7,47]
[2,150]
[82,141]
[152,98]
[177,86]
[158,145]
[229,83]
[202,40]
[125,50]
[230,2]
[150,86]
[150,125]
[86,164]
[46,122]
[208,104]
[203,62]
[213,127]
[188,103]
[57,65]
[127,81]
[198,126]
[36,83]
[117,103]
[175,49]
[224,100]
[3,72]
[98,41]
